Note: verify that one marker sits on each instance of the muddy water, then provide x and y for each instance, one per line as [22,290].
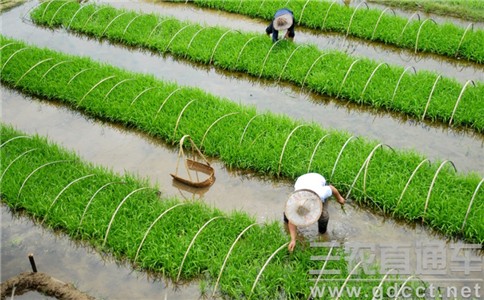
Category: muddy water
[459,69]
[63,259]
[134,152]
[130,151]
[465,149]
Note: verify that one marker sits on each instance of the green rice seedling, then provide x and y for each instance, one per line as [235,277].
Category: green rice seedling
[370,24]
[253,269]
[273,145]
[422,95]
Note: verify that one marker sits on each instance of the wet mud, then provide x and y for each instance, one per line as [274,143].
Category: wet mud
[131,151]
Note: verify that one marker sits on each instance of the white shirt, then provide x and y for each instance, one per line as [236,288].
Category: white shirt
[314,182]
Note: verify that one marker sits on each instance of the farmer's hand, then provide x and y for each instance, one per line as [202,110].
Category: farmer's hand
[291,245]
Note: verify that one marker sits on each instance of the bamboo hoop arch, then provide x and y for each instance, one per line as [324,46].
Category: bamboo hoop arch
[288,59]
[346,76]
[213,124]
[368,163]
[322,268]
[302,12]
[460,97]
[470,26]
[382,280]
[180,115]
[400,79]
[267,56]
[92,198]
[79,73]
[116,212]
[409,180]
[95,12]
[193,242]
[151,226]
[61,192]
[15,138]
[284,147]
[58,9]
[166,99]
[54,66]
[369,79]
[260,6]
[352,16]
[379,19]
[247,126]
[243,47]
[218,42]
[9,44]
[340,292]
[14,160]
[432,185]
[112,21]
[315,149]
[142,92]
[264,266]
[47,6]
[95,86]
[227,256]
[311,68]
[194,35]
[175,35]
[32,68]
[419,30]
[37,169]
[365,166]
[327,13]
[129,23]
[156,26]
[403,285]
[470,204]
[116,85]
[240,5]
[430,96]
[406,24]
[340,153]
[75,14]
[11,56]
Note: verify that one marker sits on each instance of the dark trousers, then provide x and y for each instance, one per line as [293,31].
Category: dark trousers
[322,221]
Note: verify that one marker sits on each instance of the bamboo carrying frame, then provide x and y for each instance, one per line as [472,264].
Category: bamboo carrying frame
[193,165]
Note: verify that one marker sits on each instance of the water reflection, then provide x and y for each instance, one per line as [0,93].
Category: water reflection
[464,148]
[98,275]
[130,151]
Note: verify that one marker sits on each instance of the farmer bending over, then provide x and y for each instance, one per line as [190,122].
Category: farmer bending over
[283,20]
[315,183]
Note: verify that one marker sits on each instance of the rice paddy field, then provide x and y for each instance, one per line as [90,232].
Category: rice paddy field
[97,96]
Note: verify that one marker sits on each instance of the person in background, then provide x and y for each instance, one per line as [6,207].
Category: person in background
[316,183]
[283,20]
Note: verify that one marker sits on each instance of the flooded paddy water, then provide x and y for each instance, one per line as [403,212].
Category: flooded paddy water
[131,151]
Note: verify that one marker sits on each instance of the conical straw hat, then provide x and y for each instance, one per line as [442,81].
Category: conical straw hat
[282,22]
[304,207]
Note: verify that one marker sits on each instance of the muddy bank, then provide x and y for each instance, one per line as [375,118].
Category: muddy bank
[42,283]
[89,271]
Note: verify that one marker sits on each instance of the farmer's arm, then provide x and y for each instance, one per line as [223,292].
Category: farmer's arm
[337,195]
[290,31]
[292,232]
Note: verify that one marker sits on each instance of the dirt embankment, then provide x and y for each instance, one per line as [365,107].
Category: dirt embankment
[42,283]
